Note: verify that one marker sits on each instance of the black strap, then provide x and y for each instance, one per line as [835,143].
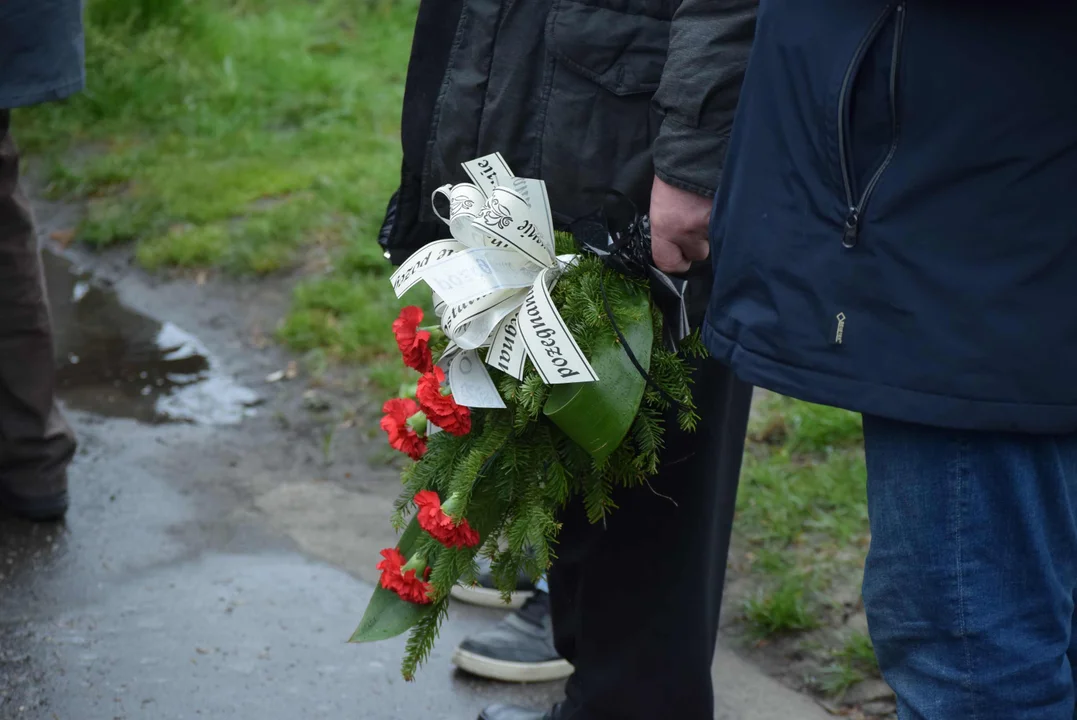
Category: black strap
[628,348]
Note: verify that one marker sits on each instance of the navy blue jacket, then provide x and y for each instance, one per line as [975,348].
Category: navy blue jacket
[41,51]
[896,231]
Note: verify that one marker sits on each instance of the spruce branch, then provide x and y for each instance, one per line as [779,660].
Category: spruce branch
[422,638]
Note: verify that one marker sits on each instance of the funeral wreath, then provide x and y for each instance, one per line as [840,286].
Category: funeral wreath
[541,377]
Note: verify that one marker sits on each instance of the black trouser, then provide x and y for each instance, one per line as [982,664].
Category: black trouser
[636,599]
[35,442]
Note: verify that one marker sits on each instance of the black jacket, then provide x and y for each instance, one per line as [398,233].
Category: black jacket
[588,95]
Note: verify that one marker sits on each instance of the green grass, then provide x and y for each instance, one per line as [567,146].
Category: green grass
[141,14]
[802,517]
[781,610]
[803,478]
[248,136]
[839,677]
[859,653]
[853,662]
[802,514]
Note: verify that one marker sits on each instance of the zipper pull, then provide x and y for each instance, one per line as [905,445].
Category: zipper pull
[852,228]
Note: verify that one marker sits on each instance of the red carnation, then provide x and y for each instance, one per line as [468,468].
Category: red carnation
[390,568]
[414,343]
[401,579]
[439,406]
[401,435]
[434,520]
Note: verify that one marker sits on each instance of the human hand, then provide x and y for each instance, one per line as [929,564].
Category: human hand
[679,223]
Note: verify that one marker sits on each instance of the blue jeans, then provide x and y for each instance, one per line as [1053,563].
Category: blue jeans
[969,585]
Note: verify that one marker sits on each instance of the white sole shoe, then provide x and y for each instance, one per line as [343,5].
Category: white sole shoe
[514,672]
[486,597]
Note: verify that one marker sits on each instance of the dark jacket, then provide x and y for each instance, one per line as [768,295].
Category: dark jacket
[41,51]
[574,92]
[896,232]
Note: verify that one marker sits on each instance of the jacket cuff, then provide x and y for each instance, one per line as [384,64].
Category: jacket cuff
[689,158]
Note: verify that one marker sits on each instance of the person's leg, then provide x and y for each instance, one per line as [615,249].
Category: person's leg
[636,599]
[970,579]
[35,442]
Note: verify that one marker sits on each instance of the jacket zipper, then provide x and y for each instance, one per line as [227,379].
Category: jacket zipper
[851,231]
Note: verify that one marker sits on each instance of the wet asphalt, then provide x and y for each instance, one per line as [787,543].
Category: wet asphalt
[223,530]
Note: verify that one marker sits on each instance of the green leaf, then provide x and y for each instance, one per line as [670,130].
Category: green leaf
[598,415]
[387,615]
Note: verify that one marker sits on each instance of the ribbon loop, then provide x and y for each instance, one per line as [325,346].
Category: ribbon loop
[412,270]
[491,284]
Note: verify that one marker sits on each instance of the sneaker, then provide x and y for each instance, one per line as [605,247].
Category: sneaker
[517,649]
[514,712]
[486,594]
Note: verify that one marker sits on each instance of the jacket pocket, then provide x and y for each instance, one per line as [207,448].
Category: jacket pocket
[599,123]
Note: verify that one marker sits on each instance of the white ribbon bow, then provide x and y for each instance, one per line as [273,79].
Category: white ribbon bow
[492,283]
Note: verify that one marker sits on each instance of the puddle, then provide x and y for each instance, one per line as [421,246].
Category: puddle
[114,361]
